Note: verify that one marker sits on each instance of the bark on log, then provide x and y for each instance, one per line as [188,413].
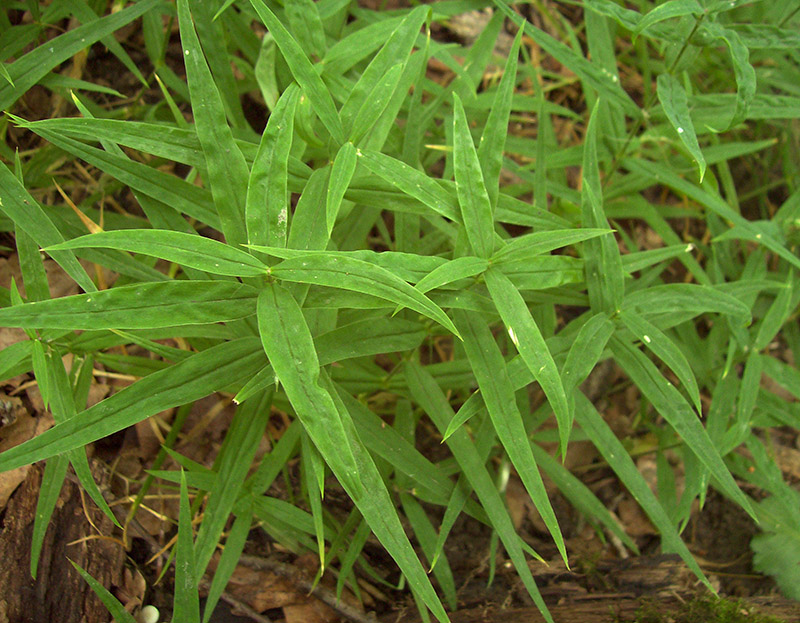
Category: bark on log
[58,594]
[610,593]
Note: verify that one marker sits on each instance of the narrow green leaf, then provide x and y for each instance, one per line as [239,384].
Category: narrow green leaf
[62,404]
[604,274]
[267,209]
[676,106]
[138,306]
[358,45]
[187,381]
[497,390]
[314,479]
[663,347]
[189,250]
[115,608]
[429,396]
[344,165]
[375,336]
[397,49]
[227,170]
[408,266]
[528,339]
[686,297]
[31,264]
[476,209]
[26,213]
[234,546]
[426,535]
[676,411]
[186,602]
[308,231]
[493,138]
[581,496]
[639,260]
[86,14]
[454,270]
[743,70]
[618,459]
[746,401]
[375,103]
[287,341]
[603,82]
[168,189]
[540,242]
[714,202]
[401,454]
[55,471]
[302,70]
[777,314]
[232,464]
[412,182]
[360,276]
[665,11]
[36,64]
[585,352]
[305,22]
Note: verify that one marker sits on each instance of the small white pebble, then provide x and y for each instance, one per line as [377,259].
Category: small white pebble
[149,614]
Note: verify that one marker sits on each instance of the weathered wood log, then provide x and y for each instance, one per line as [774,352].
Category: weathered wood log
[58,594]
[612,592]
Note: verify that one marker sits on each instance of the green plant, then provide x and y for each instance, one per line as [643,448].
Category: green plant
[703,611]
[381,257]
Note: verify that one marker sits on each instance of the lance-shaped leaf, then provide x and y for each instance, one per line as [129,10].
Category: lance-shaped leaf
[427,393]
[344,165]
[194,378]
[36,64]
[454,270]
[497,390]
[359,276]
[397,49]
[412,182]
[686,297]
[267,208]
[170,190]
[743,70]
[476,209]
[287,342]
[604,274]
[665,11]
[115,608]
[673,407]
[138,306]
[302,70]
[26,213]
[227,169]
[530,245]
[186,601]
[676,106]
[305,22]
[662,346]
[493,138]
[618,459]
[587,70]
[376,103]
[232,465]
[585,352]
[189,250]
[530,343]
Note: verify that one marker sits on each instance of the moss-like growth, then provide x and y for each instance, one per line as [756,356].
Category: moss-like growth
[703,610]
